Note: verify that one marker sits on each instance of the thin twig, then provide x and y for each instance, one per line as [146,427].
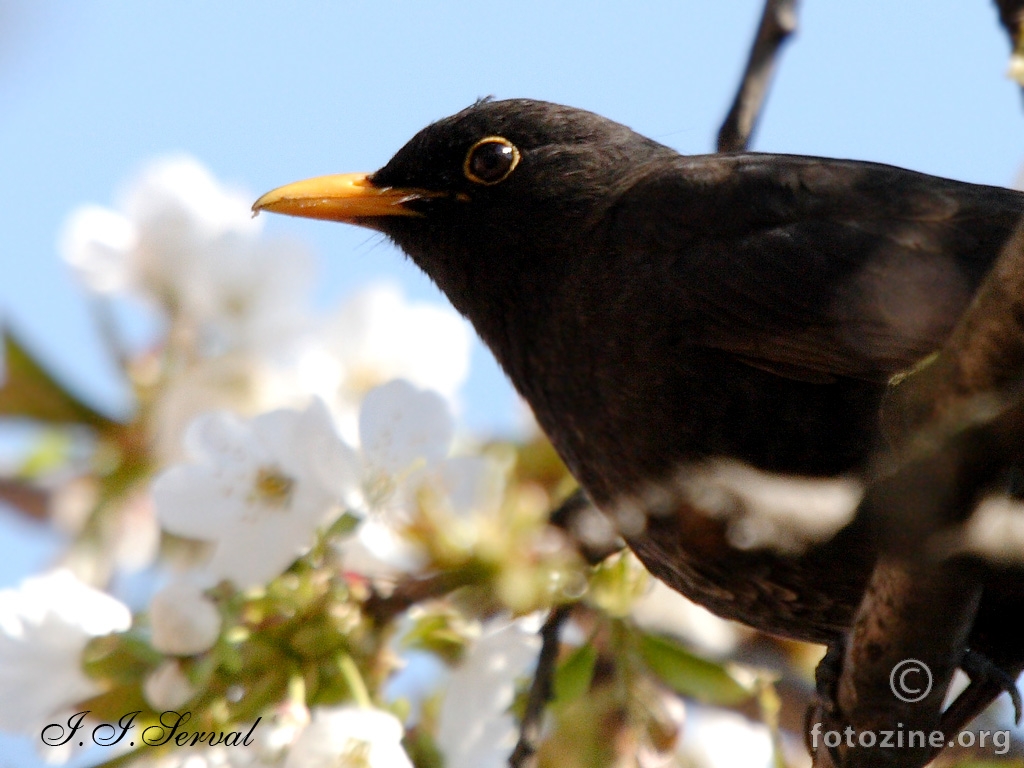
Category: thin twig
[777,23]
[540,690]
[1011,14]
[407,593]
[25,498]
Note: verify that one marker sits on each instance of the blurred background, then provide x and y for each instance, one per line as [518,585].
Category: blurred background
[267,93]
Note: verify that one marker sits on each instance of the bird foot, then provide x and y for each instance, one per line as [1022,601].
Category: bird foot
[988,679]
[825,708]
[981,668]
[826,677]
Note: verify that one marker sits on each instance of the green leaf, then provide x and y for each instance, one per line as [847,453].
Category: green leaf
[30,391]
[690,675]
[573,676]
[344,525]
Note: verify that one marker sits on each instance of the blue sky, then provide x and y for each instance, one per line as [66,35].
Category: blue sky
[267,93]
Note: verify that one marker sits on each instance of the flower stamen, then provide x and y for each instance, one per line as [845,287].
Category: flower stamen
[273,488]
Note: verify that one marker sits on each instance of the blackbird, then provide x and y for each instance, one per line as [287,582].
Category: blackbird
[684,326]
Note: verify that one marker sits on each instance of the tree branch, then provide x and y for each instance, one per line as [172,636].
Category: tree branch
[979,368]
[1011,14]
[24,498]
[540,690]
[899,661]
[382,609]
[778,22]
[960,422]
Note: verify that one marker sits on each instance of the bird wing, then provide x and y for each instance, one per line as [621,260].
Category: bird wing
[813,268]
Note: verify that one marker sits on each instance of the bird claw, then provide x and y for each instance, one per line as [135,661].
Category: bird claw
[826,707]
[826,677]
[979,667]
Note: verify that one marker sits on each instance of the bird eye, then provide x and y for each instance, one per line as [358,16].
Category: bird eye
[490,160]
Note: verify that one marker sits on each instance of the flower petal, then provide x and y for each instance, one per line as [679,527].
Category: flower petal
[96,242]
[192,501]
[476,730]
[399,424]
[184,620]
[369,738]
[44,626]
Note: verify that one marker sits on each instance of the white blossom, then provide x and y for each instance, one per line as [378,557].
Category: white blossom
[239,382]
[663,610]
[184,621]
[239,756]
[405,436]
[1015,70]
[97,243]
[267,739]
[378,551]
[995,531]
[44,626]
[400,424]
[191,246]
[349,737]
[716,737]
[256,489]
[476,729]
[787,513]
[377,335]
[259,489]
[166,687]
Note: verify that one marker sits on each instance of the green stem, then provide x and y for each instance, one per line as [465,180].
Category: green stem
[354,680]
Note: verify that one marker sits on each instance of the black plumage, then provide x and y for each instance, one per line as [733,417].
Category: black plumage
[658,311]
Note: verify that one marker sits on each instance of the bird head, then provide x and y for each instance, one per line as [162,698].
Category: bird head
[493,203]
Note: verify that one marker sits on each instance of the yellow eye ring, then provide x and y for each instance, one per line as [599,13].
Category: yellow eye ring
[490,160]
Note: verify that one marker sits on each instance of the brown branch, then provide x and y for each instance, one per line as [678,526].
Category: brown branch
[24,498]
[978,368]
[921,602]
[778,22]
[960,423]
[918,609]
[383,608]
[900,645]
[1011,14]
[540,690]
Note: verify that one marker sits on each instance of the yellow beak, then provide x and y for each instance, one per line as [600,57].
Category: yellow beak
[346,197]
